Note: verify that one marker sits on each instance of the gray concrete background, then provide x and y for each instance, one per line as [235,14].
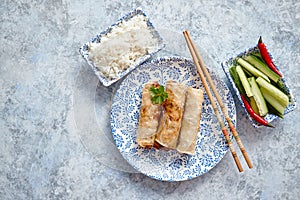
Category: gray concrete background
[44,98]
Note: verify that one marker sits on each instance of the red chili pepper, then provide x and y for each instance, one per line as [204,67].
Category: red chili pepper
[255,116]
[265,55]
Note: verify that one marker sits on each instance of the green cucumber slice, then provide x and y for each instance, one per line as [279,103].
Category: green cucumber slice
[244,80]
[257,55]
[235,77]
[270,99]
[258,97]
[277,94]
[252,69]
[262,67]
[254,105]
[273,111]
[281,86]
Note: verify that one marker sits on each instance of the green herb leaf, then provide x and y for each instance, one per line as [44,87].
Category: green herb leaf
[158,95]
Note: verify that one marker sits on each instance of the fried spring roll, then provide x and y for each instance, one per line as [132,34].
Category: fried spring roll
[174,107]
[191,121]
[149,118]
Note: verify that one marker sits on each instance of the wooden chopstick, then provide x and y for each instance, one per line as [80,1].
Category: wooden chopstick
[201,68]
[222,106]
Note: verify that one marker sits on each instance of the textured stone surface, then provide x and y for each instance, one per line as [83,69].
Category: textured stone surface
[42,155]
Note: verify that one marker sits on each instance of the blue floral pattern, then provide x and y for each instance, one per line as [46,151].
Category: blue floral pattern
[162,164]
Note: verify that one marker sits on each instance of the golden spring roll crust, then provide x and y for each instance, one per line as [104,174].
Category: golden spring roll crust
[191,121]
[149,115]
[174,107]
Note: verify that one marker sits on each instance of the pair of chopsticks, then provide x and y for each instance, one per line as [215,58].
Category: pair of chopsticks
[203,71]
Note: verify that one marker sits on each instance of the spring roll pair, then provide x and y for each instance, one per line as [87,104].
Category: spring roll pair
[176,123]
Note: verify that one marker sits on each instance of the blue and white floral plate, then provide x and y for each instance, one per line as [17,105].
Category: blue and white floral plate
[168,165]
[269,117]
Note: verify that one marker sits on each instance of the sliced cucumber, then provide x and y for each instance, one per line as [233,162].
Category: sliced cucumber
[262,67]
[277,94]
[273,102]
[273,111]
[252,69]
[257,54]
[281,86]
[248,74]
[244,81]
[258,97]
[253,105]
[237,81]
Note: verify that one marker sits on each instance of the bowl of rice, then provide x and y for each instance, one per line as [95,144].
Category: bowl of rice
[122,47]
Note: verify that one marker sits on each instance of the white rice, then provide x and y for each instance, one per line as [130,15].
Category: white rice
[123,46]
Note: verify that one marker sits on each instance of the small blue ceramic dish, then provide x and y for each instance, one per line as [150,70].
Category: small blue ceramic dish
[84,50]
[269,117]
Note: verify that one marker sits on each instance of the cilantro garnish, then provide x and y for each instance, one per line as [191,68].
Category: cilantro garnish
[158,95]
